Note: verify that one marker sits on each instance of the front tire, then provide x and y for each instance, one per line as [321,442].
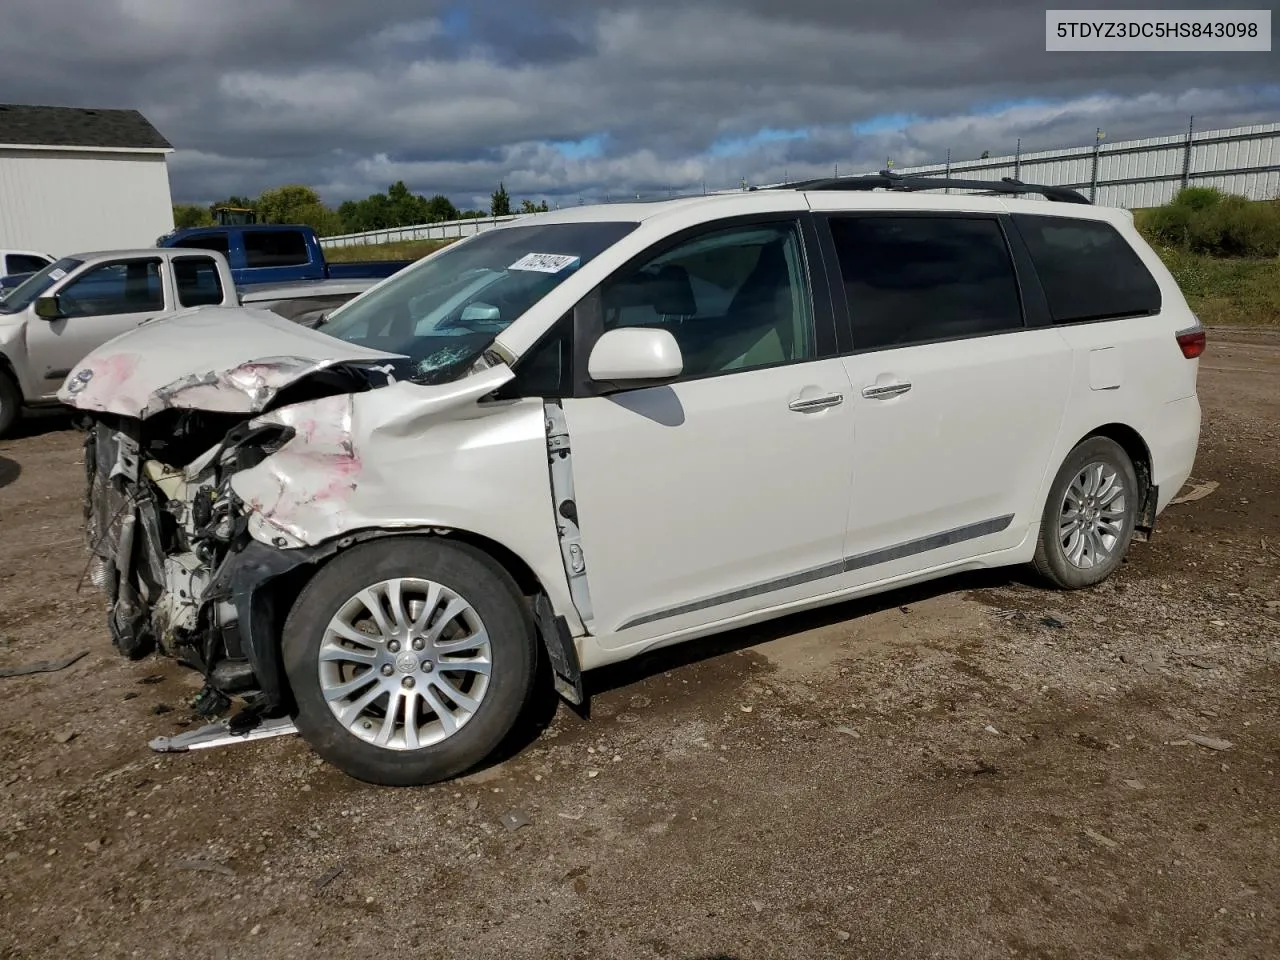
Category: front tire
[10,404]
[410,660]
[1090,516]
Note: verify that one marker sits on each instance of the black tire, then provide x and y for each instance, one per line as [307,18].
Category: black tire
[10,403]
[494,596]
[1051,558]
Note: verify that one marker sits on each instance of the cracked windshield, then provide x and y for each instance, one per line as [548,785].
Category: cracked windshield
[444,313]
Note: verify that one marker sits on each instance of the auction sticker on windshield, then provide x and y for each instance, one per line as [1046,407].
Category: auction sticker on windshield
[57,274]
[544,262]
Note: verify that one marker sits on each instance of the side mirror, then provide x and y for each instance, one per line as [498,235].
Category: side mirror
[635,356]
[481,313]
[48,308]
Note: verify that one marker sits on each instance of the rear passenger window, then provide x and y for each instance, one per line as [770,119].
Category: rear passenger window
[1088,271]
[197,281]
[274,248]
[921,279]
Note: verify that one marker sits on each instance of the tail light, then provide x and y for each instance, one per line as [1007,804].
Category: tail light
[1191,342]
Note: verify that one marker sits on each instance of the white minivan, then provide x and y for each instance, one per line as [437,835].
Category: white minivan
[595,432]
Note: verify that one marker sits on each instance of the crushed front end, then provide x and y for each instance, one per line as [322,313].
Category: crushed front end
[168,545]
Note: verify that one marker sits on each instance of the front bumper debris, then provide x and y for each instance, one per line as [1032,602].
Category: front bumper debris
[222,734]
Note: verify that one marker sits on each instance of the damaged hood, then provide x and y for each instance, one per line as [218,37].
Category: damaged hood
[222,359]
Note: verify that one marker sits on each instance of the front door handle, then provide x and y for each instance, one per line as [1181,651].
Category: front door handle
[883,391]
[809,404]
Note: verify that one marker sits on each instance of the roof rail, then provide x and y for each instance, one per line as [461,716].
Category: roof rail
[888,180]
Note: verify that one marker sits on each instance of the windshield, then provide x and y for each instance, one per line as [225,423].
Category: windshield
[23,295]
[444,313]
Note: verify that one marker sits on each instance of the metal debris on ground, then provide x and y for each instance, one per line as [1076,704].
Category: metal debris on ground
[1100,839]
[206,866]
[513,820]
[328,877]
[220,734]
[1212,743]
[1197,492]
[42,666]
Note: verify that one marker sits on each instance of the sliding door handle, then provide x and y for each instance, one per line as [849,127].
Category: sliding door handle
[883,391]
[809,404]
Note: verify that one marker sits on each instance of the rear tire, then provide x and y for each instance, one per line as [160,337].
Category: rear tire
[1089,517]
[454,638]
[10,403]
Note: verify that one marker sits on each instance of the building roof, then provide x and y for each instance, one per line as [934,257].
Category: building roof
[77,127]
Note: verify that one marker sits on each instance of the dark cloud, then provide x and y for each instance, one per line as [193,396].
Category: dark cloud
[452,95]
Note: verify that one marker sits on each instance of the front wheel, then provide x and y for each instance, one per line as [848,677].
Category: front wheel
[1090,516]
[410,660]
[10,403]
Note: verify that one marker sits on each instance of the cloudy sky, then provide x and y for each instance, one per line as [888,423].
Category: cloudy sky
[562,98]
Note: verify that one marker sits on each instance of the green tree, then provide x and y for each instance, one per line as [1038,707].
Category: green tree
[191,215]
[500,202]
[324,221]
[287,204]
[407,209]
[528,206]
[441,208]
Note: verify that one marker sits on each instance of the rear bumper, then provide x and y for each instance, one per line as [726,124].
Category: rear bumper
[1174,440]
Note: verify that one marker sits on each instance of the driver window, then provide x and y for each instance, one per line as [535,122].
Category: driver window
[129,286]
[736,298]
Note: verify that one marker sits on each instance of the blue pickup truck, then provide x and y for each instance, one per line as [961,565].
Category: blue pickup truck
[275,254]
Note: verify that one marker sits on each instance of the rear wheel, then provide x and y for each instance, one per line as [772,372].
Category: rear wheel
[10,403]
[1089,519]
[410,660]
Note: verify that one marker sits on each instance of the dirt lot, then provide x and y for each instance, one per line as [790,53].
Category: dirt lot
[975,769]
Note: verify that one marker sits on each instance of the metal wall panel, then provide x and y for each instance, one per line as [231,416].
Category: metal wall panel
[1147,172]
[63,203]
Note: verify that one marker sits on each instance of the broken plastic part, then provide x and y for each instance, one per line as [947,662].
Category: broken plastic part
[220,735]
[561,466]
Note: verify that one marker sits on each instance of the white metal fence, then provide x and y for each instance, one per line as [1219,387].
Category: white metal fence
[1129,173]
[445,230]
[1143,173]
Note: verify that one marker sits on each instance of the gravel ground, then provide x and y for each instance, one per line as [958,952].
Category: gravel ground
[977,768]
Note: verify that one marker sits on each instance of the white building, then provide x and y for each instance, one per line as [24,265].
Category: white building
[74,180]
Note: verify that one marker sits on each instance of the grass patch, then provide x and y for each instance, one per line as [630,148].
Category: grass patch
[1227,291]
[403,250]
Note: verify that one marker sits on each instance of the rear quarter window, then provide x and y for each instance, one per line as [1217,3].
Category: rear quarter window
[275,248]
[25,263]
[1088,270]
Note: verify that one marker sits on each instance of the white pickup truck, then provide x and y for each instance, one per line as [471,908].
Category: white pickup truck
[18,263]
[76,304]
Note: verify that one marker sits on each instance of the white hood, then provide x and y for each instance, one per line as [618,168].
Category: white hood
[225,359]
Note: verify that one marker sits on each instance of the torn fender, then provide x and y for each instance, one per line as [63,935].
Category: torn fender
[413,457]
[244,359]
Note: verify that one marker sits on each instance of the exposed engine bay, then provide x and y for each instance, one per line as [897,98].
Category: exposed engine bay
[169,543]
